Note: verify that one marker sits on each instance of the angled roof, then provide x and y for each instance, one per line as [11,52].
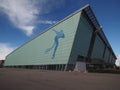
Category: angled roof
[87,9]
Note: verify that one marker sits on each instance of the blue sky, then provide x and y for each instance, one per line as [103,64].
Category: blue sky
[21,20]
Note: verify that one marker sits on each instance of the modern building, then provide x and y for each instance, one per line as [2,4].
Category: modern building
[75,43]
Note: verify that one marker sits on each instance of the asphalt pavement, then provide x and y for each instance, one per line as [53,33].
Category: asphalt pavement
[26,79]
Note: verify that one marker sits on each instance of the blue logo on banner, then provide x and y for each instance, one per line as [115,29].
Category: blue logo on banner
[59,34]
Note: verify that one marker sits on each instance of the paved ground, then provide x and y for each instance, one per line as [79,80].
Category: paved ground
[24,79]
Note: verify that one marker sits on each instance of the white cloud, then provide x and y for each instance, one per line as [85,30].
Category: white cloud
[24,13]
[27,29]
[5,49]
[118,61]
[47,22]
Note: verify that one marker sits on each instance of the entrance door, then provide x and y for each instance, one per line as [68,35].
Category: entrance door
[80,64]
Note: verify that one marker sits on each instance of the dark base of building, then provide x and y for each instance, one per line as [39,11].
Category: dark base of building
[63,67]
[58,67]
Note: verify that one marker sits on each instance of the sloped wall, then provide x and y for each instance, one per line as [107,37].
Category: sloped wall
[51,47]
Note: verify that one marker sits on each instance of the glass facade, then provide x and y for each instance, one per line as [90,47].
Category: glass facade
[71,40]
[98,49]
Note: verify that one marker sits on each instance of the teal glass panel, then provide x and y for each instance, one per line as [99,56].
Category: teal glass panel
[82,40]
[107,53]
[98,48]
